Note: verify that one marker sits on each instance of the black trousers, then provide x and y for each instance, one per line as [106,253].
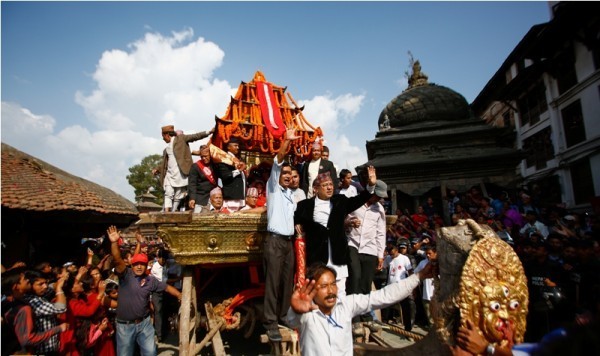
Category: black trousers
[278,259]
[409,310]
[157,301]
[361,271]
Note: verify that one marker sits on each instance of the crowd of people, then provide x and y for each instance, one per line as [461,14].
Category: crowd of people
[559,251]
[117,301]
[111,303]
[223,185]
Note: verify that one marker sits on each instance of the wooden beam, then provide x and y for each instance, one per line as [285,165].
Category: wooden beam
[214,323]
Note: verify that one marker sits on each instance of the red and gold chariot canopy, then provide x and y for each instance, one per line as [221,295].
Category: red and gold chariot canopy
[258,116]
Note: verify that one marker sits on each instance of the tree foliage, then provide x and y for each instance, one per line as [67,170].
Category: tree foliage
[141,178]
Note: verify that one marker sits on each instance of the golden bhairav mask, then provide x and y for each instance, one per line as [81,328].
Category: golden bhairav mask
[492,289]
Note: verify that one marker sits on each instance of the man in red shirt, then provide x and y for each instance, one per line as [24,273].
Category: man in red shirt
[420,217]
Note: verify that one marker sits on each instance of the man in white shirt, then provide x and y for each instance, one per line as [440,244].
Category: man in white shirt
[325,319]
[428,288]
[346,187]
[533,225]
[366,242]
[399,269]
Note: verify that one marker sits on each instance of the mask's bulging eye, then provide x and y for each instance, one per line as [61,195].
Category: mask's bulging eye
[505,290]
[495,306]
[514,304]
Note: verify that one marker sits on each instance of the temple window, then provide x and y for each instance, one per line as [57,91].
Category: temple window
[573,125]
[596,56]
[583,182]
[565,74]
[539,148]
[533,104]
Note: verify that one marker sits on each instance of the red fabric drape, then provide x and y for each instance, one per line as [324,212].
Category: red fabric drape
[269,109]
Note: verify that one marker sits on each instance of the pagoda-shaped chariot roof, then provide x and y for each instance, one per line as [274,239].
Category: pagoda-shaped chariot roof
[258,116]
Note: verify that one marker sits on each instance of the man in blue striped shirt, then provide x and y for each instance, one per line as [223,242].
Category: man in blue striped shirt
[278,251]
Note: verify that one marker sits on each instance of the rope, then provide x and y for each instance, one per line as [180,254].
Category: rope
[397,330]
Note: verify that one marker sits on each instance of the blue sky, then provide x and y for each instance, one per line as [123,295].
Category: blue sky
[87,85]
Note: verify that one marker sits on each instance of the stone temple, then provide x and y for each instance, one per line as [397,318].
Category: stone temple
[429,141]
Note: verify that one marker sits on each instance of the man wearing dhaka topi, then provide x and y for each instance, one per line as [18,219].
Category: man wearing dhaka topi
[176,165]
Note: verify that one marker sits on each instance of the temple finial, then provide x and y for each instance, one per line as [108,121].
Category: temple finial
[416,78]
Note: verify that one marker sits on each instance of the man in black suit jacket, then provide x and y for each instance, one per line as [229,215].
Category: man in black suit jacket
[318,165]
[233,179]
[321,219]
[202,179]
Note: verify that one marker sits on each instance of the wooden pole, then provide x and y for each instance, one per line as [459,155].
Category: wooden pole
[184,312]
[207,338]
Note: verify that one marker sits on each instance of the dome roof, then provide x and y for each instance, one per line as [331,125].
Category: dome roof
[421,102]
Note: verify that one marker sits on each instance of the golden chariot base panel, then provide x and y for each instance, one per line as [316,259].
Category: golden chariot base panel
[216,239]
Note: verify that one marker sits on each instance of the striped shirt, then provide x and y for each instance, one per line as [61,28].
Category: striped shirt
[45,319]
[21,318]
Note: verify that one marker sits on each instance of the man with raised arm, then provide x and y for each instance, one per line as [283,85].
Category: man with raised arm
[133,312]
[325,318]
[322,219]
[278,251]
[176,164]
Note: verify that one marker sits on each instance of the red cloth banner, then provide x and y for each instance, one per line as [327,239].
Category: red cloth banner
[269,109]
[300,250]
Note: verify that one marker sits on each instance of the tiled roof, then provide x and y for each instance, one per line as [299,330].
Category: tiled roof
[32,184]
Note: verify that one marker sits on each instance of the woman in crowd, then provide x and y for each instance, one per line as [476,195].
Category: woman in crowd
[83,303]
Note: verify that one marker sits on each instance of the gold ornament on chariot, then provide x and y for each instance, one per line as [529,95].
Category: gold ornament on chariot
[212,242]
[253,241]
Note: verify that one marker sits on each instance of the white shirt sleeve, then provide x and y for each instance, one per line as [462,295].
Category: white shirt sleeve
[390,294]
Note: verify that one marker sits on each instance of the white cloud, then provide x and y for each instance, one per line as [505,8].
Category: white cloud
[158,80]
[333,114]
[24,128]
[102,157]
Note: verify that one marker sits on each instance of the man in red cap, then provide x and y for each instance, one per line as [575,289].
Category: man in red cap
[322,218]
[133,312]
[176,164]
[251,202]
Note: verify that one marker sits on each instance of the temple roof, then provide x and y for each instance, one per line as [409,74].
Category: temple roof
[423,101]
[31,184]
[429,134]
[428,102]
